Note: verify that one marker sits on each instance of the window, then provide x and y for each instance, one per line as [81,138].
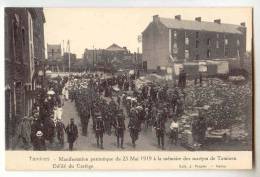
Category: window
[217,44]
[197,43]
[197,34]
[23,36]
[30,41]
[175,48]
[52,53]
[175,45]
[186,39]
[226,41]
[208,53]
[187,56]
[174,34]
[208,42]
[238,42]
[217,35]
[197,57]
[7,37]
[238,54]
[226,52]
[15,31]
[15,38]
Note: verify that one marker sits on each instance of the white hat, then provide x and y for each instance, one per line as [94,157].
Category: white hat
[139,107]
[39,133]
[99,117]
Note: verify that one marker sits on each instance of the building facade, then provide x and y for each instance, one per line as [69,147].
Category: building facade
[54,52]
[112,57]
[58,60]
[54,57]
[24,54]
[166,41]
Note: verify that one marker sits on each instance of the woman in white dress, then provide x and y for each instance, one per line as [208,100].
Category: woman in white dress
[55,112]
[59,112]
[66,93]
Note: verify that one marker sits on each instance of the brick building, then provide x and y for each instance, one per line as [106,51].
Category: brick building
[173,40]
[24,55]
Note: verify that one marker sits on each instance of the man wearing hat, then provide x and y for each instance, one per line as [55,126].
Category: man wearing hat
[36,125]
[60,131]
[202,127]
[99,128]
[174,127]
[159,126]
[134,128]
[39,142]
[24,132]
[49,128]
[72,133]
[118,100]
[85,120]
[119,125]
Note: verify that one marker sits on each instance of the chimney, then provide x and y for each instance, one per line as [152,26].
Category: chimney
[218,21]
[243,24]
[156,18]
[178,17]
[198,19]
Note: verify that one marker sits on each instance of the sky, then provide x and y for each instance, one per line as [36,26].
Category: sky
[101,27]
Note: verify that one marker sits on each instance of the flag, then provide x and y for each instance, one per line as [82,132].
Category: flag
[139,38]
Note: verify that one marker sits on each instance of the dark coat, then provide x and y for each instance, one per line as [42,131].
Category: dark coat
[39,144]
[119,125]
[159,126]
[36,126]
[72,132]
[60,128]
[134,125]
[49,129]
[99,126]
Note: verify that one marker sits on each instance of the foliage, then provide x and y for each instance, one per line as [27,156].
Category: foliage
[229,103]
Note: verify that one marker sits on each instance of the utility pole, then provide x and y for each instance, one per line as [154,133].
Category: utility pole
[93,58]
[63,61]
[139,40]
[68,49]
[63,48]
[137,57]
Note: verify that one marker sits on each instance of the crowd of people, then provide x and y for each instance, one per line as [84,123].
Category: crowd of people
[44,128]
[109,103]
[112,102]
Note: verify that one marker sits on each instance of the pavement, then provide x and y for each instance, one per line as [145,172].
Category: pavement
[147,139]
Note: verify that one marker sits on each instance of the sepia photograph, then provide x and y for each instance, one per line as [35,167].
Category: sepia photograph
[128,79]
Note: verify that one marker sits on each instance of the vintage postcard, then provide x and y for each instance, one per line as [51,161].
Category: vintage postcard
[129,88]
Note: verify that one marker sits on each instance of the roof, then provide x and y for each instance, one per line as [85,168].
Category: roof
[53,46]
[200,26]
[115,47]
